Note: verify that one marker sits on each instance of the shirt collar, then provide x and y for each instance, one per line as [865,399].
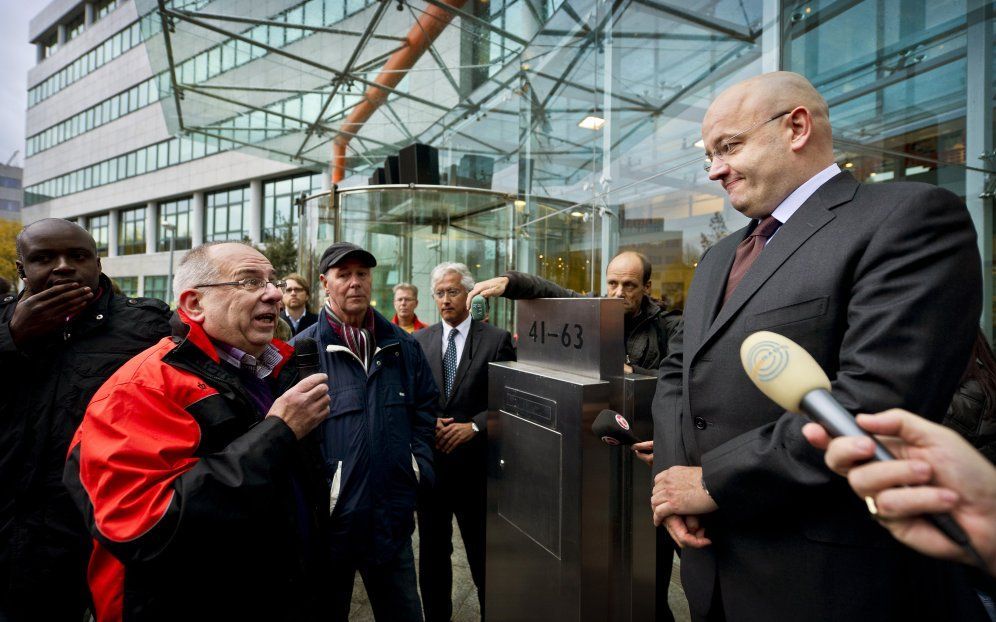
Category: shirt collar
[795,200]
[262,366]
[463,327]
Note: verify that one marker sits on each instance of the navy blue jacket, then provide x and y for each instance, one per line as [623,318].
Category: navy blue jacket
[377,442]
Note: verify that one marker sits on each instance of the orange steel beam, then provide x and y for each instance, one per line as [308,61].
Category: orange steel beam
[420,37]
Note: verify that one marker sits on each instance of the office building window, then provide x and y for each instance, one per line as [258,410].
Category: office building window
[154,286]
[100,229]
[131,232]
[49,45]
[74,27]
[176,213]
[128,285]
[103,7]
[9,182]
[225,215]
[111,48]
[279,209]
[114,107]
[7,205]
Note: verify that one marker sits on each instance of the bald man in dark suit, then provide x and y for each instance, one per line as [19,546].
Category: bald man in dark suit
[881,283]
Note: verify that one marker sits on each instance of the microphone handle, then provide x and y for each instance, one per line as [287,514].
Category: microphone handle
[823,408]
[827,411]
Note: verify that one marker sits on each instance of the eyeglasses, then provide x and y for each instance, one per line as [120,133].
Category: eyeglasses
[250,284]
[293,290]
[729,147]
[453,292]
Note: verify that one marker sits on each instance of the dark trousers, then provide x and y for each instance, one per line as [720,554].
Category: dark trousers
[464,498]
[390,587]
[665,563]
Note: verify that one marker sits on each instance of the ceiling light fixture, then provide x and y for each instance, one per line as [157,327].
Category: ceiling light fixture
[592,123]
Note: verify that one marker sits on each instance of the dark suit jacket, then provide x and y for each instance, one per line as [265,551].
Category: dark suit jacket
[469,400]
[307,320]
[881,284]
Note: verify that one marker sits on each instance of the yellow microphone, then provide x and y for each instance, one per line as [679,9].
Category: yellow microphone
[792,378]
[789,375]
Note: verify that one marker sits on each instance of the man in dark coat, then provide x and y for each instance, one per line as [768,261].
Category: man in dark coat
[461,444]
[60,339]
[376,441]
[881,284]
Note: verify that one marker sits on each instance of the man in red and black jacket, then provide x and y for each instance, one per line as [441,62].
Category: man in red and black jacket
[193,465]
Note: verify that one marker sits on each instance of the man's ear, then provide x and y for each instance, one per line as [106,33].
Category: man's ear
[802,127]
[20,270]
[190,302]
[325,284]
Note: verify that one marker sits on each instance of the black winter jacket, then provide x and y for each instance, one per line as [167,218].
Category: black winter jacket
[647,334]
[970,415]
[44,391]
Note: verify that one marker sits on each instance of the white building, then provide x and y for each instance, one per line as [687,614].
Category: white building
[99,151]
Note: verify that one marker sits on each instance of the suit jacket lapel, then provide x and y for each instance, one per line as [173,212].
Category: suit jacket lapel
[813,215]
[466,356]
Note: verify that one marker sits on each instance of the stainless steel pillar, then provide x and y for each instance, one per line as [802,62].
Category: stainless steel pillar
[556,520]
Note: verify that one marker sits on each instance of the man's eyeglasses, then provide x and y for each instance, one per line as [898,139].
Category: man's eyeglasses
[453,292]
[251,284]
[730,146]
[293,290]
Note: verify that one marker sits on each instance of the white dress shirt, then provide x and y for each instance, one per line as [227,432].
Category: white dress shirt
[794,201]
[463,329]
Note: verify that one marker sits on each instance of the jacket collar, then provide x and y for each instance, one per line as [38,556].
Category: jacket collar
[191,336]
[385,333]
[812,216]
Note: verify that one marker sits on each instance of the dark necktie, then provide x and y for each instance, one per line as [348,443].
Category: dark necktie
[450,362]
[747,252]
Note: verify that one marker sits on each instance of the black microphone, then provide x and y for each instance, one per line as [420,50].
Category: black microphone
[613,429]
[306,355]
[792,378]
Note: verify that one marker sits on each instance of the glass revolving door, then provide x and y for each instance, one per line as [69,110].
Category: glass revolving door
[410,230]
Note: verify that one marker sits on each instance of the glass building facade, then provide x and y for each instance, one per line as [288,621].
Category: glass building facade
[502,94]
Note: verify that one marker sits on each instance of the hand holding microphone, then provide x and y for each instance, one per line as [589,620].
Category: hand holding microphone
[306,404]
[613,429]
[787,374]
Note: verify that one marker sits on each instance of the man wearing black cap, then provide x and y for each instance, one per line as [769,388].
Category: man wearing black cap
[377,441]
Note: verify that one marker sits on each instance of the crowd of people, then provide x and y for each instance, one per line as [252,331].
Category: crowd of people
[187,464]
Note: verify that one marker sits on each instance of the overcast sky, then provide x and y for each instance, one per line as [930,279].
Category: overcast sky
[16,57]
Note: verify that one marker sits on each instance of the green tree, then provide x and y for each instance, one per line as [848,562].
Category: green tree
[8,253]
[282,252]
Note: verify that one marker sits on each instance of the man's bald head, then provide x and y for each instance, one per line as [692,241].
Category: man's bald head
[628,278]
[774,92]
[775,131]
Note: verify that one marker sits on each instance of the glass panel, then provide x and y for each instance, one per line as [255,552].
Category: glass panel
[176,213]
[224,215]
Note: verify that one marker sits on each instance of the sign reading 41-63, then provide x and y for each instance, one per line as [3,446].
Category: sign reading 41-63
[577,335]
[569,336]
